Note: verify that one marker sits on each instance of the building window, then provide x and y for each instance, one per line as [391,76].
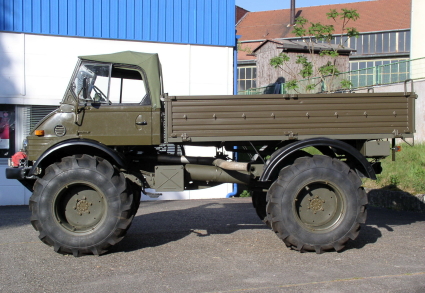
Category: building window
[381,43]
[247,76]
[383,71]
[376,43]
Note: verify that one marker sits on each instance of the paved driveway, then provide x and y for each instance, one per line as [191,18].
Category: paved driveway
[215,246]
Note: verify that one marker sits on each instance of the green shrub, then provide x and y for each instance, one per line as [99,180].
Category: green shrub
[407,173]
[245,193]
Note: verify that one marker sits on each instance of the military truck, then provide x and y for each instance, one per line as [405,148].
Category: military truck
[117,134]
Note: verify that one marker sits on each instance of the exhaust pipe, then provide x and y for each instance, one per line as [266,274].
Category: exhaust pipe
[232,166]
[216,174]
[223,164]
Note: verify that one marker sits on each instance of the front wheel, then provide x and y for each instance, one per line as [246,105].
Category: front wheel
[81,206]
[316,204]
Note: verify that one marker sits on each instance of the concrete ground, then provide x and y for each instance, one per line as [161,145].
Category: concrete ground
[215,246]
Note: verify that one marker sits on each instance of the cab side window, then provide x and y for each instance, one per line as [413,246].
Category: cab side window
[127,86]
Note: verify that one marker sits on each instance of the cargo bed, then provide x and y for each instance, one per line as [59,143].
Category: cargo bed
[282,117]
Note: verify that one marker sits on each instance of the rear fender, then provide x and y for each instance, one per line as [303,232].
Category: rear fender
[278,158]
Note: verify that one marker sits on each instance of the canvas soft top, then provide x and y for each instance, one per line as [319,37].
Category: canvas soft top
[147,62]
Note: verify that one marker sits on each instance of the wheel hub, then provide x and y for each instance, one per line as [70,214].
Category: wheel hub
[318,206]
[82,206]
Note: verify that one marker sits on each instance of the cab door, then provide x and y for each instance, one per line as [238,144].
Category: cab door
[117,108]
[128,124]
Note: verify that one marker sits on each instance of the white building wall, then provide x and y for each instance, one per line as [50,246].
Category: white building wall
[417,40]
[418,70]
[35,70]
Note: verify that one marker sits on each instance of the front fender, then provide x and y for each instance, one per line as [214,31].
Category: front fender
[278,157]
[74,146]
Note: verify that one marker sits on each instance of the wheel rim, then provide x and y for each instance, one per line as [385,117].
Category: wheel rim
[319,206]
[80,207]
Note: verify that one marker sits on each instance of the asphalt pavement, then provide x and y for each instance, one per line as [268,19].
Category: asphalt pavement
[215,246]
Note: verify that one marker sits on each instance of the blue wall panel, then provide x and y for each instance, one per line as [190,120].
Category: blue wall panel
[113,19]
[72,19]
[54,17]
[214,22]
[169,29]
[45,16]
[176,32]
[36,16]
[184,29]
[17,15]
[206,22]
[130,23]
[97,25]
[103,24]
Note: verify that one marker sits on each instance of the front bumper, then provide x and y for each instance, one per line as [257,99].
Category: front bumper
[17,173]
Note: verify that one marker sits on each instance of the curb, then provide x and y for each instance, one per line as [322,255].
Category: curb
[396,200]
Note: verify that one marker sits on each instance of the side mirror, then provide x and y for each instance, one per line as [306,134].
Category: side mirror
[85,88]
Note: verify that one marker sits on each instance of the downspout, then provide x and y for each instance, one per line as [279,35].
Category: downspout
[235,92]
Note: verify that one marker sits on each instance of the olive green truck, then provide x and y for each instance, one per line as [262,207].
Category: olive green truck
[116,134]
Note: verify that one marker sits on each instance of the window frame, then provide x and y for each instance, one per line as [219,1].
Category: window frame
[145,100]
[252,79]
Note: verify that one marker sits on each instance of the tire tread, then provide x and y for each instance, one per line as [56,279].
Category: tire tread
[274,209]
[96,164]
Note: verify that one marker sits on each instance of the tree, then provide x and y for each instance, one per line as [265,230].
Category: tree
[312,35]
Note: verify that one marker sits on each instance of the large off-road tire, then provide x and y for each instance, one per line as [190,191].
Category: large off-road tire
[259,198]
[136,190]
[316,204]
[259,202]
[81,206]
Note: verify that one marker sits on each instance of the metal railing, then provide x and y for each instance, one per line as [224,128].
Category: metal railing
[362,78]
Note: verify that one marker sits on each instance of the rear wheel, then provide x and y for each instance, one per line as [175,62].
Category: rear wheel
[259,202]
[81,206]
[259,198]
[316,204]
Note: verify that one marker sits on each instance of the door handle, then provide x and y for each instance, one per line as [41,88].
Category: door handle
[142,123]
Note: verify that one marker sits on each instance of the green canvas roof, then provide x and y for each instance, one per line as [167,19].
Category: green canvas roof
[149,63]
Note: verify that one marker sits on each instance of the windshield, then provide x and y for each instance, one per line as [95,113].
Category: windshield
[107,84]
[91,84]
